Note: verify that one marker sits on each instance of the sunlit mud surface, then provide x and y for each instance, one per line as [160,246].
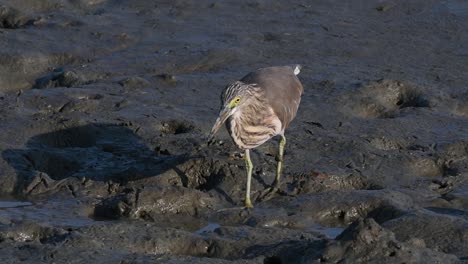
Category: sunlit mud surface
[105,108]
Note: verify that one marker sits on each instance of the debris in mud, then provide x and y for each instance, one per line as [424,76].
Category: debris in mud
[167,77]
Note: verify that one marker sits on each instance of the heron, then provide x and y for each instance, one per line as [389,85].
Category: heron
[257,108]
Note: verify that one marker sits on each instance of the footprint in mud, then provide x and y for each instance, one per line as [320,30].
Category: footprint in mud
[384,99]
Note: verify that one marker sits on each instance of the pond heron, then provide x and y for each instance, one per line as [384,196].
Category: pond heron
[258,107]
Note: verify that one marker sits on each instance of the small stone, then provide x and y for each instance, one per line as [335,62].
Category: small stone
[167,77]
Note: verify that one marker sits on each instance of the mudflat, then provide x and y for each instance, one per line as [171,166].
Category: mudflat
[105,108]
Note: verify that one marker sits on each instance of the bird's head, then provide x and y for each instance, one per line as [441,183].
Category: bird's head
[234,96]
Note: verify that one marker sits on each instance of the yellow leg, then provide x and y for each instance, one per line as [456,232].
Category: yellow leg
[282,143]
[249,167]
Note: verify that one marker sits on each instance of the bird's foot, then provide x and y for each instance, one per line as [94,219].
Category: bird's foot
[236,156]
[248,205]
[270,192]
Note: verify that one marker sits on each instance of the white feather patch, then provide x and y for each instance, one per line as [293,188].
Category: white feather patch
[297,70]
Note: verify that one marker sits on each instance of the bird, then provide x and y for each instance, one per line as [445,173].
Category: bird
[257,108]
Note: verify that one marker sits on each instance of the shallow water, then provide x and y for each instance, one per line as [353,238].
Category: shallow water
[208,228]
[53,212]
[329,232]
[13,204]
[457,7]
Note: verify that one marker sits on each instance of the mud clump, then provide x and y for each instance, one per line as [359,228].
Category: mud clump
[385,143]
[134,82]
[365,241]
[431,226]
[11,18]
[149,203]
[460,107]
[385,99]
[59,79]
[331,209]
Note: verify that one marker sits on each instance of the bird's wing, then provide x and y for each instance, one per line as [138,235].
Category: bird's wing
[282,88]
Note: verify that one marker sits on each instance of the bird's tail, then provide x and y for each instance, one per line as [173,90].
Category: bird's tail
[296,68]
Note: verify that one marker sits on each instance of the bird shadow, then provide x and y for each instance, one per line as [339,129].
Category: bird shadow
[260,180]
[98,152]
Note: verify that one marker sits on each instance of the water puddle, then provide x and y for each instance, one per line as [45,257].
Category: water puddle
[457,7]
[208,228]
[329,232]
[449,211]
[55,212]
[13,204]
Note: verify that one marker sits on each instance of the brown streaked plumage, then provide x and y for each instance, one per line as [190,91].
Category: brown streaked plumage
[282,88]
[258,107]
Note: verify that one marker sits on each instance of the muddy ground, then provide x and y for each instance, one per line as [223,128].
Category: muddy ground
[106,106]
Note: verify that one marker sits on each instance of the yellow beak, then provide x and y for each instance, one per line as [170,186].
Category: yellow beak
[223,115]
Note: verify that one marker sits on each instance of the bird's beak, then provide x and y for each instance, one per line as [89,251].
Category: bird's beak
[223,115]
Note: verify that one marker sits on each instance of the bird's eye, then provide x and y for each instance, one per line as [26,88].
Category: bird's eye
[235,101]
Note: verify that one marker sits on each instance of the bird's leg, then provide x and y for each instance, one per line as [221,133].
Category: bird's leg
[274,188]
[248,202]
[282,143]
[249,167]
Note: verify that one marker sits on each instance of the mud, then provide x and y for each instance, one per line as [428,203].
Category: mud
[105,107]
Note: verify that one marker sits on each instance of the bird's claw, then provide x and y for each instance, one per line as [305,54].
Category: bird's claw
[269,192]
[210,141]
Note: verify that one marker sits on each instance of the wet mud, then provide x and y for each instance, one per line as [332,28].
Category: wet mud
[105,108]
